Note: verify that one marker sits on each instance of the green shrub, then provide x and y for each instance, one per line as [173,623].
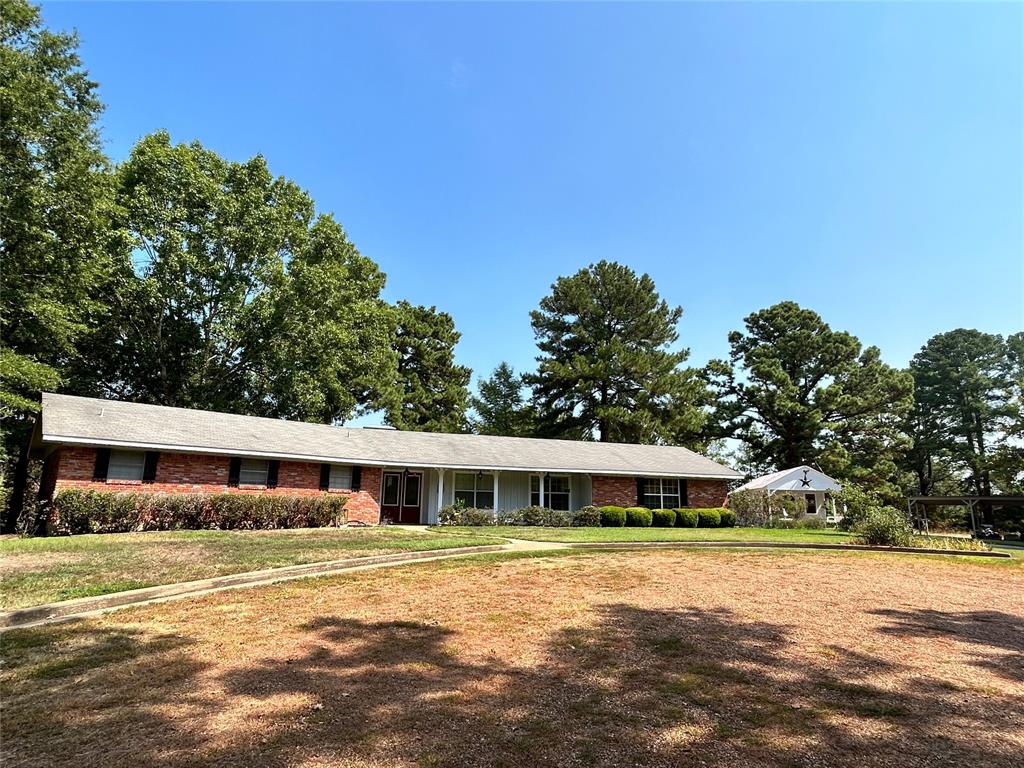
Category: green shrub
[686,518]
[709,518]
[884,527]
[728,518]
[854,503]
[541,516]
[639,517]
[613,517]
[664,518]
[586,517]
[76,511]
[750,507]
[810,522]
[460,514]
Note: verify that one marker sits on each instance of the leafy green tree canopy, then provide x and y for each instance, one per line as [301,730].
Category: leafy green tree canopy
[606,364]
[54,199]
[53,203]
[237,297]
[796,392]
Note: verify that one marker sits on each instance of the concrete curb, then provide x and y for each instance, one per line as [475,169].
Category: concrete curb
[777,545]
[83,606]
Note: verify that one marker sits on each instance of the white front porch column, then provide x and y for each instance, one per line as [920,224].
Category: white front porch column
[495,505]
[542,489]
[440,492]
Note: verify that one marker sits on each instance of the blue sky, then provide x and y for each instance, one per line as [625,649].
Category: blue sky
[865,160]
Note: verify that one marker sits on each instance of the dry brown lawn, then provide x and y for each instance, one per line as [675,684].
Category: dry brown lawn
[643,658]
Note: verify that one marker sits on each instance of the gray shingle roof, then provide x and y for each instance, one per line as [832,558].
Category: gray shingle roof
[89,421]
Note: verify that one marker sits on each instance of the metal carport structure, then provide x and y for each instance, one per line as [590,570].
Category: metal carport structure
[920,504]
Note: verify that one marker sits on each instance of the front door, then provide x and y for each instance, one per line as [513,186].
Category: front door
[400,498]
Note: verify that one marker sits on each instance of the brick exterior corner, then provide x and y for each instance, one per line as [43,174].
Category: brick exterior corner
[72,467]
[620,491]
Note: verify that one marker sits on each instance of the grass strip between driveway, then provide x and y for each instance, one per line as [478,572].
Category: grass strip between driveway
[45,570]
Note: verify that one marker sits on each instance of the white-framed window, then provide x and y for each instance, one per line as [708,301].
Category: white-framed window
[253,472]
[126,465]
[556,491]
[475,489]
[661,493]
[341,477]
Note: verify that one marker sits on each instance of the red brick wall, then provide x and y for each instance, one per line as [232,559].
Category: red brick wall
[707,493]
[195,473]
[621,492]
[613,491]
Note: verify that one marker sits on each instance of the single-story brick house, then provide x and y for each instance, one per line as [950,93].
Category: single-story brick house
[405,477]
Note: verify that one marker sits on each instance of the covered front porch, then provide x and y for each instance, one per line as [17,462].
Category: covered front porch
[417,495]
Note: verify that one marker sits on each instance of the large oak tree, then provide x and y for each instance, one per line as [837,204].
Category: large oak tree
[237,297]
[54,200]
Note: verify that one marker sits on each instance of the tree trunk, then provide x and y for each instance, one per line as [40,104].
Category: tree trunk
[16,501]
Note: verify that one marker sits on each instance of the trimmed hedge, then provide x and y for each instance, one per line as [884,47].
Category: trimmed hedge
[77,511]
[613,517]
[709,518]
[728,518]
[639,517]
[664,518]
[686,517]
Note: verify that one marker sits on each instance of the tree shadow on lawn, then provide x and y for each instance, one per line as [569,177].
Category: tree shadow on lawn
[990,630]
[640,687]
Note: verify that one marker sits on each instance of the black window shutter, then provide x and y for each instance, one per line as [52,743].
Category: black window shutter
[640,492]
[325,477]
[149,471]
[272,468]
[234,470]
[357,477]
[102,463]
[684,493]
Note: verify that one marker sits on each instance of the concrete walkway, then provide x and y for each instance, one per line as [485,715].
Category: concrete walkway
[68,610]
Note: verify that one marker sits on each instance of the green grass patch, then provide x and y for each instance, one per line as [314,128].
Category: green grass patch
[44,570]
[574,535]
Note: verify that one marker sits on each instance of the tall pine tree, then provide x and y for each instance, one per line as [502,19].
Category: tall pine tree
[500,406]
[434,390]
[607,368]
[968,382]
[794,391]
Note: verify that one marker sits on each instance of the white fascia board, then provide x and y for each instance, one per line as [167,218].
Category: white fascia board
[372,462]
